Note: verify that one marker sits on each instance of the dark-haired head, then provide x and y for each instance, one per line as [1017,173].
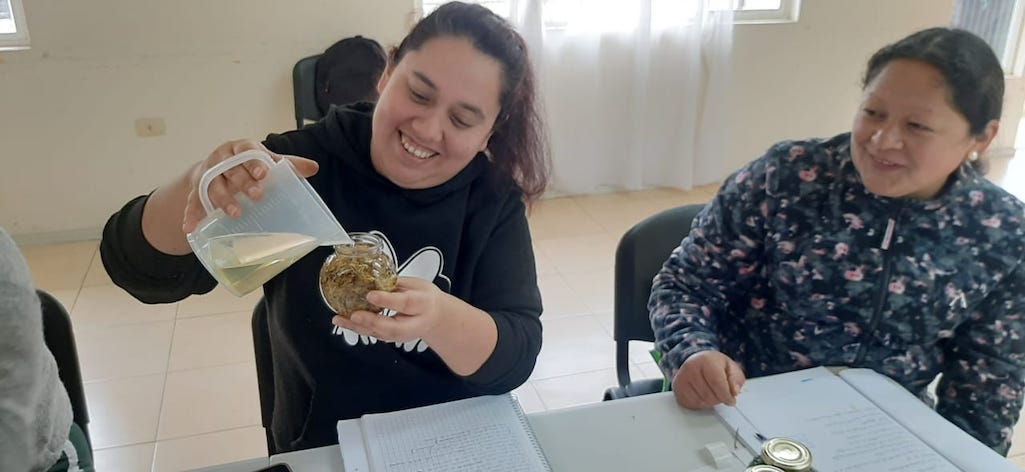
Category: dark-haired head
[969,66]
[518,144]
[931,102]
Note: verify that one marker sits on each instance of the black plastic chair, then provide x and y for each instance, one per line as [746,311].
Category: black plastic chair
[641,252]
[60,339]
[264,370]
[304,75]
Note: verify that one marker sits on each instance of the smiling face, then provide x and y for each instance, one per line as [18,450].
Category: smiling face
[437,108]
[907,139]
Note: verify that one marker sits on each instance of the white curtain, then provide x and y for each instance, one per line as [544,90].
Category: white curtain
[634,90]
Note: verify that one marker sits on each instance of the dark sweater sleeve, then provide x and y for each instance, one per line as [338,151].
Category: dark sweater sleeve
[505,286]
[143,271]
[711,274]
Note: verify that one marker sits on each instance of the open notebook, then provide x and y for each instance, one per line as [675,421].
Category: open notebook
[855,420]
[483,433]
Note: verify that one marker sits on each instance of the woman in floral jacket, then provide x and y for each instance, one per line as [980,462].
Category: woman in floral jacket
[882,248]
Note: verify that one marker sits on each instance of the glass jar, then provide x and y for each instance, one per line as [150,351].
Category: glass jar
[353,270]
[785,454]
[763,468]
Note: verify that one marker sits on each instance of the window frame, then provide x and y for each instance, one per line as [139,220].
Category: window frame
[19,40]
[789,11]
[1013,61]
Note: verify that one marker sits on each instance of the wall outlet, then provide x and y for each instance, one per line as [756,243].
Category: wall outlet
[147,127]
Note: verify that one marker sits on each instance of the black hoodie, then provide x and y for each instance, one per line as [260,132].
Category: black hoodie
[475,222]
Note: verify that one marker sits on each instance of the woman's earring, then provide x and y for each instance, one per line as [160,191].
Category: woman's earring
[973,156]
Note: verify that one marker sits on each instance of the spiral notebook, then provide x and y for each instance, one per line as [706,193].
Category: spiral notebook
[482,433]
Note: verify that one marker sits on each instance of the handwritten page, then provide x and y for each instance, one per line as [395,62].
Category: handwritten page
[845,431]
[871,440]
[958,446]
[483,433]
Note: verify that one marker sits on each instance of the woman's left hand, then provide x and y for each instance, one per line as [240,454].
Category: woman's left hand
[419,306]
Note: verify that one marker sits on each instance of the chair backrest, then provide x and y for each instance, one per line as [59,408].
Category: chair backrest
[642,251]
[304,90]
[60,339]
[264,370]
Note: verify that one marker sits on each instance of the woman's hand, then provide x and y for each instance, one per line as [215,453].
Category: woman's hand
[419,306]
[173,210]
[707,379]
[462,335]
[242,178]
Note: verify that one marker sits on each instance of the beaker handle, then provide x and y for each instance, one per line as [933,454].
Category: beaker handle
[221,167]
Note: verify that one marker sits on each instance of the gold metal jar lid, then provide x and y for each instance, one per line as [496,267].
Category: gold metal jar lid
[786,454]
[763,468]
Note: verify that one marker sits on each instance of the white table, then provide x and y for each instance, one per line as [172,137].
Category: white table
[650,433]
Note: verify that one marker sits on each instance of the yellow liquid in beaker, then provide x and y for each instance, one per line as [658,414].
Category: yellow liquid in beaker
[243,262]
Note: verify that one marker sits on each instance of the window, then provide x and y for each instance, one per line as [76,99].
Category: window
[13,32]
[998,22]
[557,11]
[766,11]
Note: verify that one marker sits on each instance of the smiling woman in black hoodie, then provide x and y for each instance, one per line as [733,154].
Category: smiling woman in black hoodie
[444,164]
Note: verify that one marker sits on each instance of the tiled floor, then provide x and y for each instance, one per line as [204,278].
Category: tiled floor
[172,387]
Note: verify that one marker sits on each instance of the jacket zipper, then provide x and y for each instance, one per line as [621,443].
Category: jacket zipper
[884,290]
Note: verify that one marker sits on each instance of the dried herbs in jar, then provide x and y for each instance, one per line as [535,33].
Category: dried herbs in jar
[353,270]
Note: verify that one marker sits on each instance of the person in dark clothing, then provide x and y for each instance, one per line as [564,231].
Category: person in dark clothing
[442,167]
[883,248]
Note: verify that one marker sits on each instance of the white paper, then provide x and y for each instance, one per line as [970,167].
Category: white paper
[483,433]
[743,431]
[956,445]
[844,430]
[353,449]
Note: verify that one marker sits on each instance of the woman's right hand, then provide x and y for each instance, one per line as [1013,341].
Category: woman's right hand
[706,379]
[242,178]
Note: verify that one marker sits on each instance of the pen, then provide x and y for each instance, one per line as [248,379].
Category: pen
[736,436]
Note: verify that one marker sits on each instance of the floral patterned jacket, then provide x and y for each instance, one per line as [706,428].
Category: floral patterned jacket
[796,264]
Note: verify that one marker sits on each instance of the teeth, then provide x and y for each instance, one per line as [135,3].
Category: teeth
[419,153]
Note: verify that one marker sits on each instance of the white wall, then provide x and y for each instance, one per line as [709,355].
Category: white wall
[220,70]
[800,80]
[212,70]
